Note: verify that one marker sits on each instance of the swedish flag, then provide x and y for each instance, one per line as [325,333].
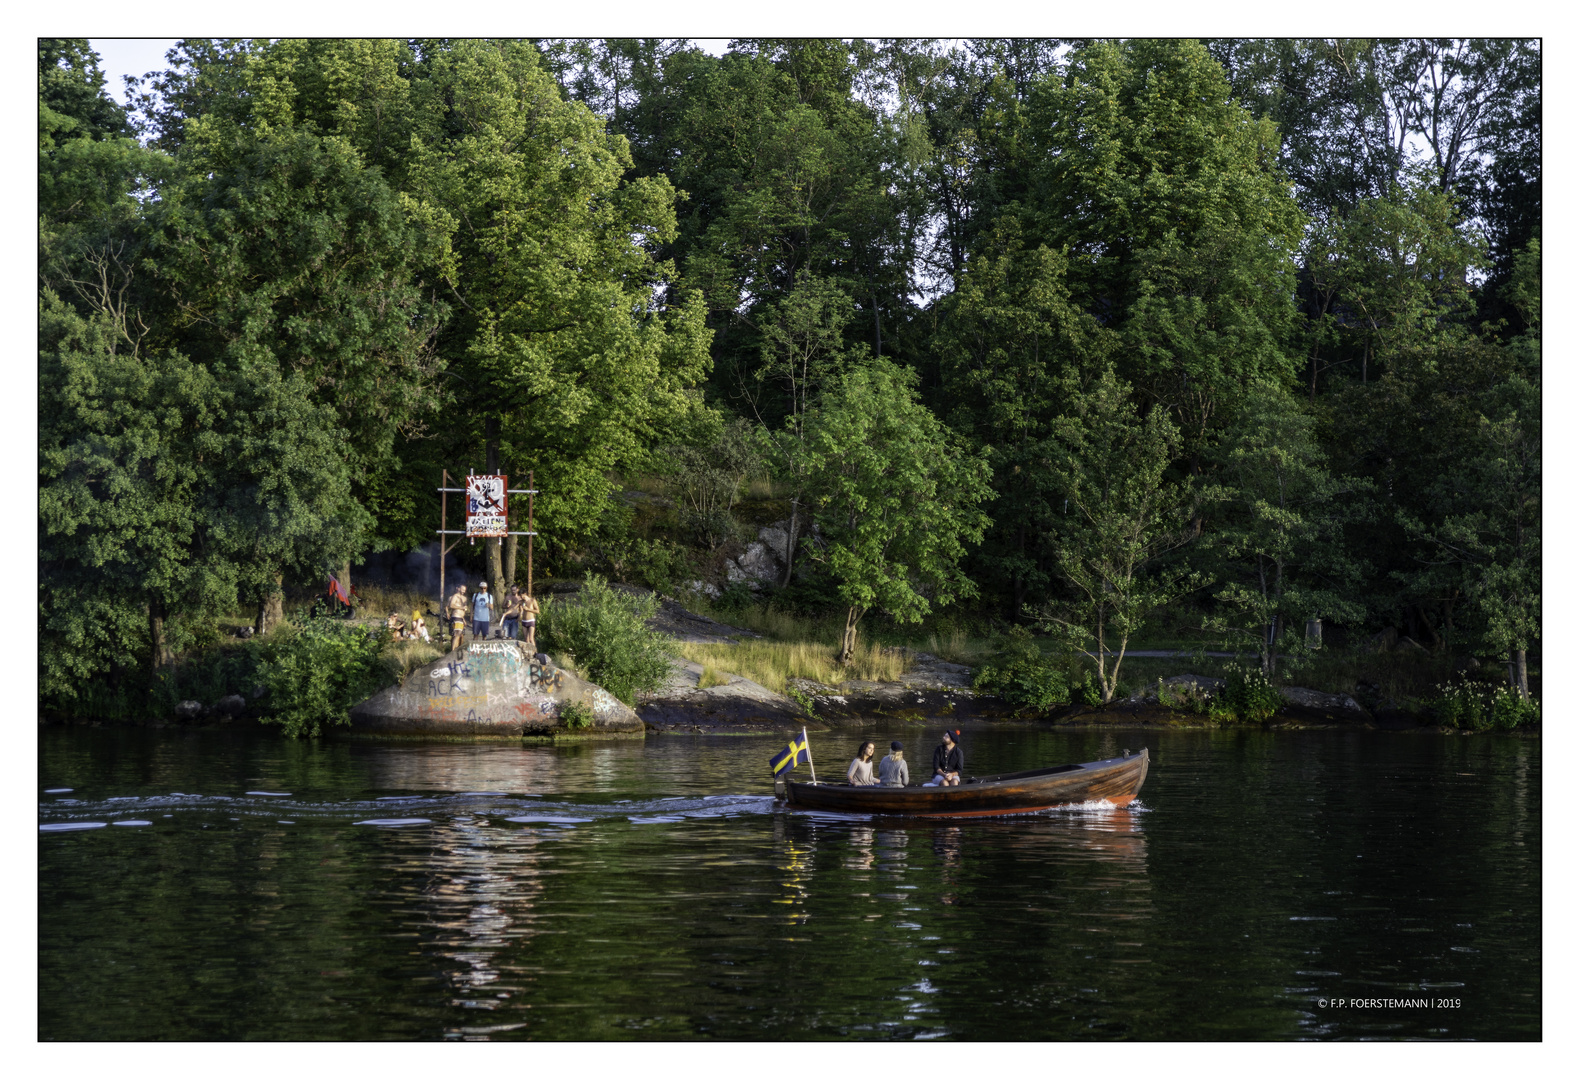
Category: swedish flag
[797,753]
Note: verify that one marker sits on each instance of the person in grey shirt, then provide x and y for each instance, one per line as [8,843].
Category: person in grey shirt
[892,770]
[860,772]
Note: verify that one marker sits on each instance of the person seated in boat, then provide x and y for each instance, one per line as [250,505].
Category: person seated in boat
[860,772]
[948,762]
[892,770]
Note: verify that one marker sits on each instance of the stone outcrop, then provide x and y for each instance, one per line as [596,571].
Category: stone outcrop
[738,704]
[756,566]
[763,561]
[491,688]
[930,689]
[1314,705]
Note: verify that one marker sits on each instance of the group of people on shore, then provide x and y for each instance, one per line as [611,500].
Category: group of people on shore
[401,630]
[520,615]
[893,771]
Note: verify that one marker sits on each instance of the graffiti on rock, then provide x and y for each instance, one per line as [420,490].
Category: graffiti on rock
[549,679]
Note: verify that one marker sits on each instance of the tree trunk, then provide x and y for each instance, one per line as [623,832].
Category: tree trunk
[510,560]
[790,544]
[491,546]
[271,609]
[1520,682]
[156,639]
[496,572]
[847,645]
[1434,639]
[1018,586]
[1102,662]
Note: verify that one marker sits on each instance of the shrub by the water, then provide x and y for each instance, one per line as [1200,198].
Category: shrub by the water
[315,670]
[605,631]
[1020,674]
[575,715]
[1477,705]
[1247,695]
[1186,697]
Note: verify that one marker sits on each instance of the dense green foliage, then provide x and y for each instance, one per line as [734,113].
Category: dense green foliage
[894,495]
[315,670]
[1022,674]
[604,632]
[1247,695]
[1082,335]
[1478,705]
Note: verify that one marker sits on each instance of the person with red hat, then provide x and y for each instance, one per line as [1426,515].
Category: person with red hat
[948,762]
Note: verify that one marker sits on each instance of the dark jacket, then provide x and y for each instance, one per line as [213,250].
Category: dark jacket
[948,761]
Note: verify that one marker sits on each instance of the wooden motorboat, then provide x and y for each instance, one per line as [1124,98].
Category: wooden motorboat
[1115,780]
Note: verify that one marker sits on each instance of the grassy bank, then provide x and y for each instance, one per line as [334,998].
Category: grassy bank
[1405,680]
[771,663]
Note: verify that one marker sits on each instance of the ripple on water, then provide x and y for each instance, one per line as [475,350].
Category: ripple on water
[550,819]
[397,821]
[272,794]
[70,826]
[131,823]
[57,790]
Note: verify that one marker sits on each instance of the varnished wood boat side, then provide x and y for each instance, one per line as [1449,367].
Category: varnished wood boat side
[1116,780]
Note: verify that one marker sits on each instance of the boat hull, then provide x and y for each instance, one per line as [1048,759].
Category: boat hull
[1116,780]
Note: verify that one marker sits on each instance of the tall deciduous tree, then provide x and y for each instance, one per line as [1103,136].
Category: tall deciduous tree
[1277,543]
[566,359]
[1122,518]
[895,498]
[1179,223]
[1013,346]
[1391,272]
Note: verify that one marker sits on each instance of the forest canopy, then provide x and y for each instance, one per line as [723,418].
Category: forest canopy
[1276,303]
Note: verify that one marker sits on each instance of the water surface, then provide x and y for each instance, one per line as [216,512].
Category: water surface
[210,885]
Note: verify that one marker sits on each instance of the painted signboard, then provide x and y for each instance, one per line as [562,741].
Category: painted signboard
[486,505]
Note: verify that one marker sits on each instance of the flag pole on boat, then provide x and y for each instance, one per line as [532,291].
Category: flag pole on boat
[808,755]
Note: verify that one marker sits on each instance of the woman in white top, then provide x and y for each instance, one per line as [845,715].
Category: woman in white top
[860,772]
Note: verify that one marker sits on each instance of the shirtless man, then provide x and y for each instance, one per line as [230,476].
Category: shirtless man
[529,621]
[455,612]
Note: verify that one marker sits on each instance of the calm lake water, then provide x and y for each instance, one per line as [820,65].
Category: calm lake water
[1266,886]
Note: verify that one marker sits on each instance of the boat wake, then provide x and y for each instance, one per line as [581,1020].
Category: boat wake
[60,811]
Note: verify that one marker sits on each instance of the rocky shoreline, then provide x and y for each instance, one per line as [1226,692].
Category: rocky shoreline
[934,691]
[527,694]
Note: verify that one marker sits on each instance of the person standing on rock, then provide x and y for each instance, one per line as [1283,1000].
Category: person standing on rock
[948,762]
[455,612]
[482,612]
[860,772]
[529,621]
[892,770]
[512,615]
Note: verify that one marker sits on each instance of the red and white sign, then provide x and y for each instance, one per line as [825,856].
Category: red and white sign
[486,506]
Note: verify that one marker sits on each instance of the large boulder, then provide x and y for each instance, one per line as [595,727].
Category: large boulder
[756,566]
[491,688]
